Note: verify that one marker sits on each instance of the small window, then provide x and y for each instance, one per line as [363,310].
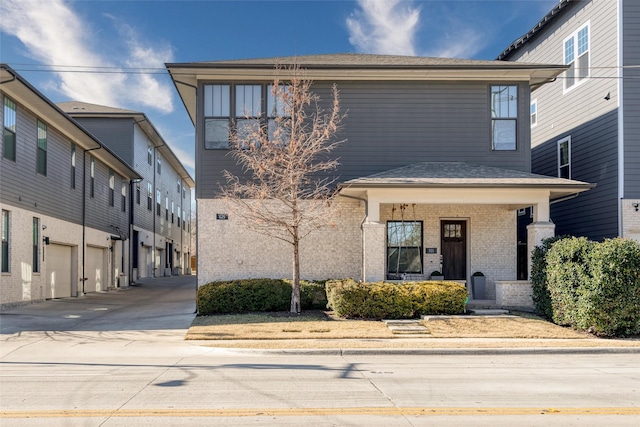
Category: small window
[184,216]
[123,195]
[178,216]
[172,211]
[564,158]
[184,192]
[73,166]
[5,241]
[149,196]
[166,208]
[158,202]
[137,193]
[41,161]
[404,247]
[150,156]
[112,187]
[159,166]
[179,185]
[92,180]
[576,55]
[504,113]
[9,144]
[534,112]
[36,241]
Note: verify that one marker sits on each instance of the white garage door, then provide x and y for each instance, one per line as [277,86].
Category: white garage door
[95,270]
[58,271]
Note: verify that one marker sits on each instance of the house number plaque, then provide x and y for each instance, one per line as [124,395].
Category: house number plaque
[222,216]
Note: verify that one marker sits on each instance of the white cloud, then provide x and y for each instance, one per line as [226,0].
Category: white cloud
[54,35]
[384,27]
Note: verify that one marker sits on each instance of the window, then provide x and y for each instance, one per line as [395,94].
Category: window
[576,55]
[166,208]
[149,196]
[534,112]
[150,156]
[9,146]
[92,181]
[564,158]
[178,216]
[41,161]
[112,187]
[277,98]
[172,211]
[248,110]
[217,120]
[159,166]
[5,241]
[504,113]
[73,166]
[179,185]
[404,247]
[138,193]
[184,216]
[123,195]
[36,240]
[158,202]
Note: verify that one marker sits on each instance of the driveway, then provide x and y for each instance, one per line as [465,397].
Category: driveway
[166,303]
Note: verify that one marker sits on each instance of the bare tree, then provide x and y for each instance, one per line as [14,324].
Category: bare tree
[286,192]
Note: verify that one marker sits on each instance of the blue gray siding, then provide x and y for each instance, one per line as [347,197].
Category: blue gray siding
[115,133]
[393,124]
[631,98]
[593,214]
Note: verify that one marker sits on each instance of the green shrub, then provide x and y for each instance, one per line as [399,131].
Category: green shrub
[567,274]
[351,299]
[313,295]
[611,299]
[237,296]
[540,290]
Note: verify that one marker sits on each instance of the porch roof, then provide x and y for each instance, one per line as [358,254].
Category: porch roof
[463,175]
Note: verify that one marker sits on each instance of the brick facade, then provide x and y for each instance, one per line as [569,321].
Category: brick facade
[631,219]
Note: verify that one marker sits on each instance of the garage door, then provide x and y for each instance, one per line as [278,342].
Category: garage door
[95,270]
[58,271]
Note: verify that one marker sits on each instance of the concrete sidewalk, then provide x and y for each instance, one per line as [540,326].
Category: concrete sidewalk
[160,311]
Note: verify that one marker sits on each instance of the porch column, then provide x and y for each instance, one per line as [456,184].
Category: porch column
[373,251]
[541,228]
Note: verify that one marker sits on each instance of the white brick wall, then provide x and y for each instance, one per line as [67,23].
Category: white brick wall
[514,294]
[631,219]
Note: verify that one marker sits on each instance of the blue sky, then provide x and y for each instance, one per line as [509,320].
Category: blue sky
[64,48]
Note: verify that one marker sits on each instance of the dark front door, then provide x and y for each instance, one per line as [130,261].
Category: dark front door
[454,249]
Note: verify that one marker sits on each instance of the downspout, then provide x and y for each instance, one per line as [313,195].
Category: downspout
[621,174]
[84,212]
[366,215]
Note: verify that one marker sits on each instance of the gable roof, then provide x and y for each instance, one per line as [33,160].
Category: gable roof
[464,175]
[549,17]
[354,66]
[85,110]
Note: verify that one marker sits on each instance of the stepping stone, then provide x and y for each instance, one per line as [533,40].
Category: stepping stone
[406,327]
[489,312]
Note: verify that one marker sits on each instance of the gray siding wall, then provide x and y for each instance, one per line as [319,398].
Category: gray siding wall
[393,124]
[631,99]
[22,186]
[594,213]
[117,134]
[99,214]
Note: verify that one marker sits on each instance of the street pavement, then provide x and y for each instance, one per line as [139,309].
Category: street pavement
[119,358]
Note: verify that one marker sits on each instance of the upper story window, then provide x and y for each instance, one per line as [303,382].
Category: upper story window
[564,158]
[534,112]
[159,162]
[137,193]
[9,146]
[504,114]
[178,216]
[576,55]
[73,166]
[92,180]
[243,108]
[41,161]
[179,185]
[123,195]
[166,208]
[112,186]
[158,202]
[149,196]
[36,241]
[150,156]
[5,241]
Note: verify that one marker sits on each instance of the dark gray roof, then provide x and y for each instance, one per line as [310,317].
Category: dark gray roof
[459,174]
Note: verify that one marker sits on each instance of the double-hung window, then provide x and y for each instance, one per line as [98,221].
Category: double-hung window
[178,216]
[92,180]
[534,112]
[149,196]
[112,187]
[173,206]
[404,247]
[248,111]
[9,145]
[564,158]
[150,156]
[576,55]
[504,115]
[73,166]
[166,209]
[217,116]
[5,241]
[158,202]
[36,241]
[41,161]
[123,195]
[137,193]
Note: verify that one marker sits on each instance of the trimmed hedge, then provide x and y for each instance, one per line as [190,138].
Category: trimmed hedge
[240,296]
[540,291]
[351,299]
[590,286]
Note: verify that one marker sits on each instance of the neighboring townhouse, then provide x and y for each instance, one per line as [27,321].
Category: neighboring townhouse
[585,125]
[434,169]
[64,198]
[161,206]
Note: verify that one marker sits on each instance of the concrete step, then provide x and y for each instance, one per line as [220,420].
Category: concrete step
[482,304]
[488,312]
[406,327]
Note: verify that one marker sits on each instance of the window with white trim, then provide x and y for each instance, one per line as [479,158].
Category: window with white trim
[404,247]
[576,56]
[41,160]
[35,267]
[534,112]
[10,126]
[112,187]
[5,241]
[564,158]
[504,115]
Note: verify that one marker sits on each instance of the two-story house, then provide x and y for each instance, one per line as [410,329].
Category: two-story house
[161,206]
[586,124]
[64,198]
[435,166]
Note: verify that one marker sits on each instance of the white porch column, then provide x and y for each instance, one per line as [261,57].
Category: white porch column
[541,228]
[374,251]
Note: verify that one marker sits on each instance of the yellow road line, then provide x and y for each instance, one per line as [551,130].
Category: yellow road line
[270,412]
